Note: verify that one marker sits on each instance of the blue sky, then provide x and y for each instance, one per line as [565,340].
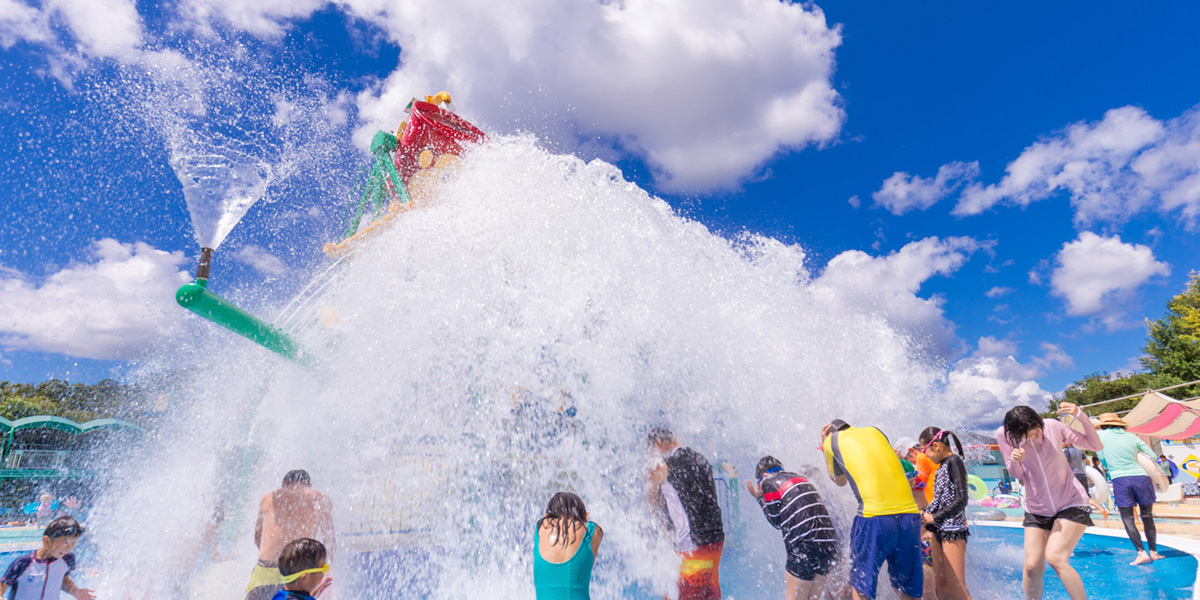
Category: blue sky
[1019,182]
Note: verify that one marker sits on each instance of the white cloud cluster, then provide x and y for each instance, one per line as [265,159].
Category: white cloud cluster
[986,384]
[100,28]
[903,192]
[112,307]
[1093,273]
[1113,168]
[888,285]
[22,22]
[261,260]
[706,91]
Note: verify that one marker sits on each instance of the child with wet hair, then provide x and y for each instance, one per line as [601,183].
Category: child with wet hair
[945,517]
[564,550]
[303,567]
[46,572]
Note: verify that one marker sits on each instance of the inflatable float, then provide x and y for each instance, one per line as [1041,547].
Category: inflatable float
[1099,485]
[976,488]
[1156,475]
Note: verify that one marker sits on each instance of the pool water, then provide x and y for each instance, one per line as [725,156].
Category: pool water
[996,554]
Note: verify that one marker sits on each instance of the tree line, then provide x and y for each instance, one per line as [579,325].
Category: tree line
[79,402]
[1171,357]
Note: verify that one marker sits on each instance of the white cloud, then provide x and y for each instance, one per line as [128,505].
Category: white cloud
[903,192]
[266,18]
[1112,169]
[105,28]
[111,307]
[261,260]
[998,291]
[888,285]
[990,346]
[705,90]
[21,22]
[986,384]
[1093,272]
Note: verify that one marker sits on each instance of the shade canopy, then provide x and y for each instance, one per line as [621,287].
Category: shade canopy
[1163,417]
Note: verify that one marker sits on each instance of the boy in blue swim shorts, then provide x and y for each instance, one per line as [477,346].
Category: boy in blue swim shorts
[888,524]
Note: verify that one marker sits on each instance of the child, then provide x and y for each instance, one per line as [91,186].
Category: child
[946,516]
[1055,504]
[565,544]
[303,567]
[46,571]
[45,509]
[792,505]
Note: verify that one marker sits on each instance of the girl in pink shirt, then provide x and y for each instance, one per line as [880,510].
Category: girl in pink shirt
[1056,505]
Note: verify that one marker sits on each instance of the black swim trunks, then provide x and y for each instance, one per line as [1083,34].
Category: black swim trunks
[1075,514]
[807,561]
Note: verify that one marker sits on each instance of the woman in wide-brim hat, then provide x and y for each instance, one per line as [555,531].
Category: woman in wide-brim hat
[1131,485]
[1111,419]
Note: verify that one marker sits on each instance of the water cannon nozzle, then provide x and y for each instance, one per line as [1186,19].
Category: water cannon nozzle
[205,267]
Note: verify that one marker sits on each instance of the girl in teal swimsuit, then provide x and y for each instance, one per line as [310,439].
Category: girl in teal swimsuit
[564,548]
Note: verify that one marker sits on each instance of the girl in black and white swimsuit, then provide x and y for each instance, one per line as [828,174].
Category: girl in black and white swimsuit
[945,518]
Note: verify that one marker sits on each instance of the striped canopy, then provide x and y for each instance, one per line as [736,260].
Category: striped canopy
[1163,417]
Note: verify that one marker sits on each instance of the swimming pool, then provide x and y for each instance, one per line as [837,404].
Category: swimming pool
[995,555]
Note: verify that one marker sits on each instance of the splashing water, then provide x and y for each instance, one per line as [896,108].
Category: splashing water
[516,338]
[220,183]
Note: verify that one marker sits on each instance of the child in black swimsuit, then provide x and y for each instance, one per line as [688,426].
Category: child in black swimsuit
[945,518]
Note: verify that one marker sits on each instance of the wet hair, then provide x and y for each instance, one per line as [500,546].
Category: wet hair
[765,464]
[565,509]
[937,434]
[1019,421]
[301,554]
[660,435]
[63,527]
[296,477]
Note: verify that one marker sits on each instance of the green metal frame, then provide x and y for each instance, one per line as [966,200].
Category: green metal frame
[383,183]
[9,429]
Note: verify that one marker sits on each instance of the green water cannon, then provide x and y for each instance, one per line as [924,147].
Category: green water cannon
[196,297]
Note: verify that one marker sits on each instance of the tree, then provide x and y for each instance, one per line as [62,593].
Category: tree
[1173,345]
[76,401]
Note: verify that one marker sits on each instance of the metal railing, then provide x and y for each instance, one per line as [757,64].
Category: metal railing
[38,459]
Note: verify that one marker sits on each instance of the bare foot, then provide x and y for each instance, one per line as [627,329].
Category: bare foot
[1156,556]
[1142,559]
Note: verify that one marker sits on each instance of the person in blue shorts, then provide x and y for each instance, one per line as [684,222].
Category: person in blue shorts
[888,524]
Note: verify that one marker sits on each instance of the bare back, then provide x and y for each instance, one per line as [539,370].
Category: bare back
[290,513]
[557,553]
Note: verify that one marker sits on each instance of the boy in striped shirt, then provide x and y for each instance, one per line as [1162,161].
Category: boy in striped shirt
[793,506]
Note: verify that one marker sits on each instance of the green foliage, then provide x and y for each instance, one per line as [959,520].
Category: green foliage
[1173,344]
[1172,357]
[76,401]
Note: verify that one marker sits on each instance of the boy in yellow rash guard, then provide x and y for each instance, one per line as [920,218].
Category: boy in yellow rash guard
[888,524]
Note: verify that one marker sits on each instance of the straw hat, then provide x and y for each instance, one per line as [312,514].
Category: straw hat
[1112,419]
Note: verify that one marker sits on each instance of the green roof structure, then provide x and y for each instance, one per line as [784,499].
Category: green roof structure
[17,462]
